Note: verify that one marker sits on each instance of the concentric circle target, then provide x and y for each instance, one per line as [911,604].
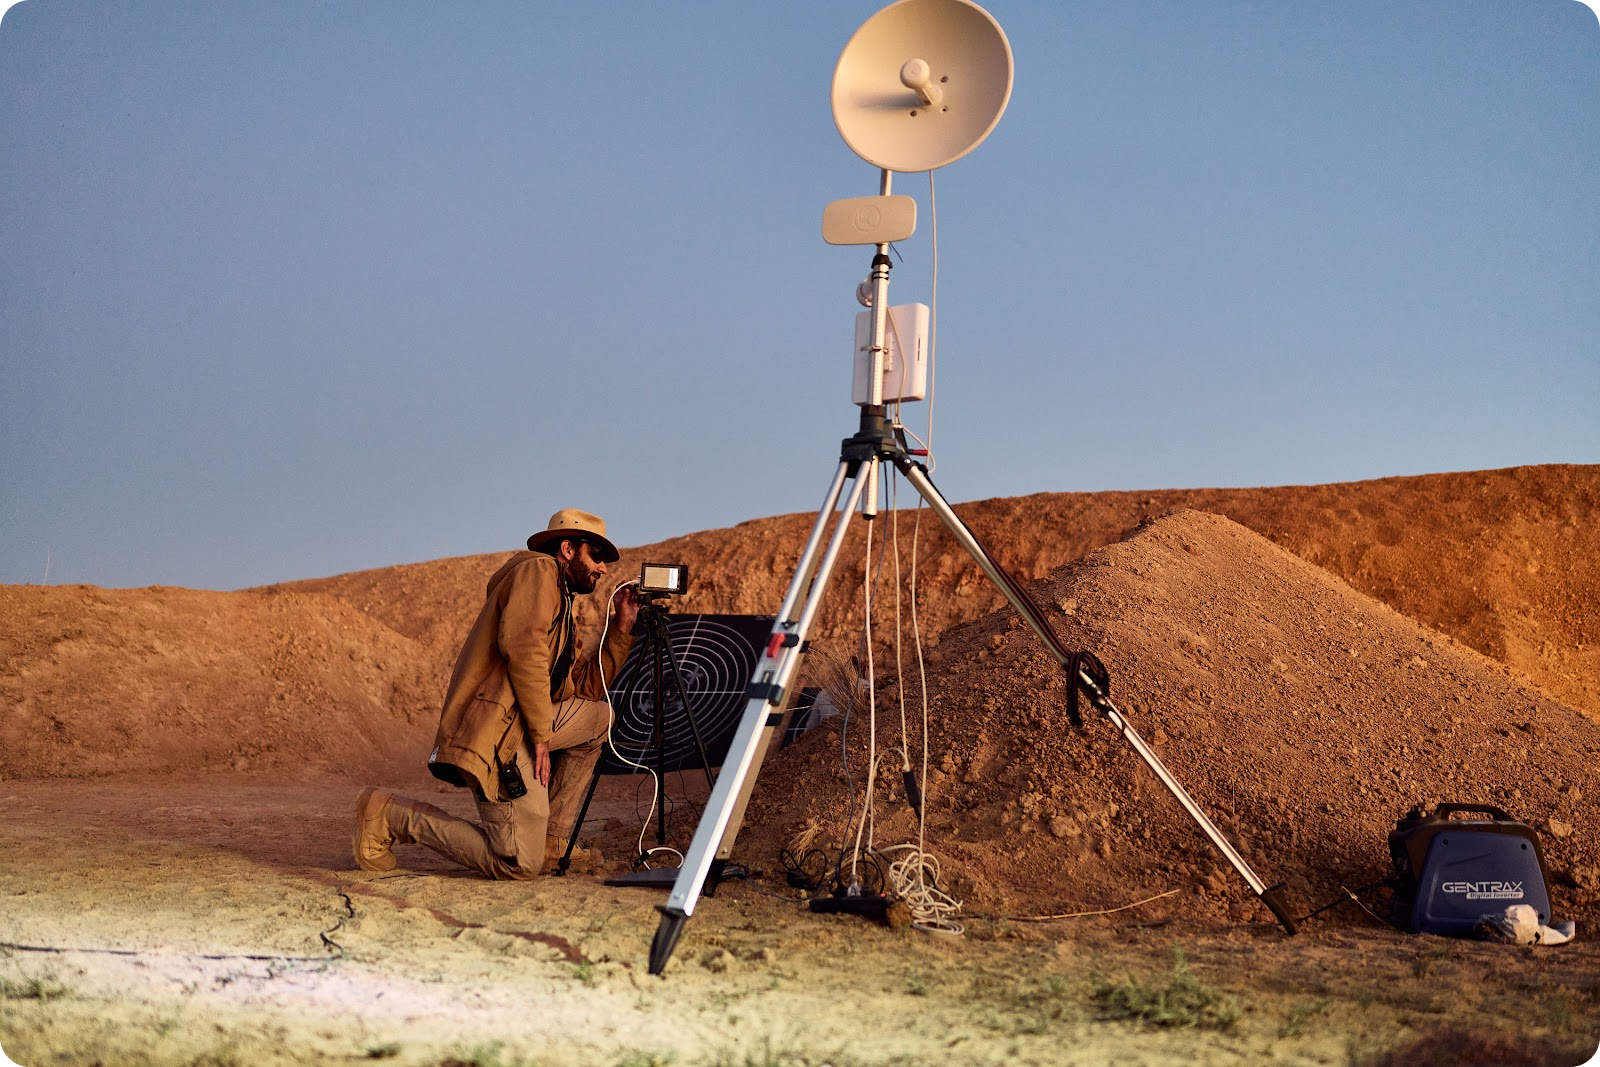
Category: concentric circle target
[716,657]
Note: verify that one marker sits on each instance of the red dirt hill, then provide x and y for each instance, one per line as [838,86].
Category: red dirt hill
[1304,716]
[1507,561]
[108,681]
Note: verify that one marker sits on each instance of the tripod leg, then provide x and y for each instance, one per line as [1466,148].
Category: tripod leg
[688,711]
[773,674]
[657,641]
[583,811]
[1013,591]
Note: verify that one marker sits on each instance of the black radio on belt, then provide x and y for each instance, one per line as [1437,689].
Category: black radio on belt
[511,784]
[1454,871]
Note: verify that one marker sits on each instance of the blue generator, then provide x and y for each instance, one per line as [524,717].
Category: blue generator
[1452,872]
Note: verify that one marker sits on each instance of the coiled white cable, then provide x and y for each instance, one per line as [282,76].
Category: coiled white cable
[914,878]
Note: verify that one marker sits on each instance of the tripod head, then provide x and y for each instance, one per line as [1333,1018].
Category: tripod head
[653,611]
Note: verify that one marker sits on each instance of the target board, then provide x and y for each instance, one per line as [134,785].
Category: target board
[716,656]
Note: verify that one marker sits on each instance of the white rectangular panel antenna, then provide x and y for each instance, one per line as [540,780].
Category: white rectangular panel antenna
[905,370]
[869,220]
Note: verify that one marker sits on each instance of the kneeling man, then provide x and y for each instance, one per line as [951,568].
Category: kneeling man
[524,717]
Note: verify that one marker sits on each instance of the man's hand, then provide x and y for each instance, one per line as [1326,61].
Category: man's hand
[541,763]
[626,599]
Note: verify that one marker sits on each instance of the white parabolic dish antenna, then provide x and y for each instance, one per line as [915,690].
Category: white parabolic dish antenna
[921,84]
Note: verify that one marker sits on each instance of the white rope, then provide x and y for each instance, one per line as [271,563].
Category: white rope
[914,878]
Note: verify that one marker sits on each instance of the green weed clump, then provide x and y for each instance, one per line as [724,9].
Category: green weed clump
[1179,1000]
[1301,1015]
[488,1055]
[647,1058]
[770,1056]
[32,989]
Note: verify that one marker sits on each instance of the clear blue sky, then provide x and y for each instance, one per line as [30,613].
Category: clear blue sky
[289,289]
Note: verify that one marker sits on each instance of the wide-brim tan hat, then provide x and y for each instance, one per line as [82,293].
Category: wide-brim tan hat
[578,526]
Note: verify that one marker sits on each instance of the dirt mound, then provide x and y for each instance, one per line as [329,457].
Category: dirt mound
[1507,562]
[349,670]
[97,681]
[1304,716]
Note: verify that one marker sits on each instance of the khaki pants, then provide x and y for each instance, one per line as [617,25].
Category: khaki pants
[509,842]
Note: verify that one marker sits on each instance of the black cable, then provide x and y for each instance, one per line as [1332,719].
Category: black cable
[63,950]
[804,872]
[1350,895]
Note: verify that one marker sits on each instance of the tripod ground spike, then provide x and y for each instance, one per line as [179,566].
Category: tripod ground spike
[1273,899]
[666,939]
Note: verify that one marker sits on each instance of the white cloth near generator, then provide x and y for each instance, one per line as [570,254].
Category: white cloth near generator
[1519,925]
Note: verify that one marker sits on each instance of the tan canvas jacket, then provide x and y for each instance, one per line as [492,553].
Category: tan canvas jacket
[501,688]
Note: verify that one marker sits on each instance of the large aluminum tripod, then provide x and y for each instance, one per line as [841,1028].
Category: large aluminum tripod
[769,690]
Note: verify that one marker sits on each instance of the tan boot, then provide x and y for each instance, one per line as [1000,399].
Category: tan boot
[372,837]
[583,859]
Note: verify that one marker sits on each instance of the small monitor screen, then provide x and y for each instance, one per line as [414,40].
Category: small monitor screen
[664,578]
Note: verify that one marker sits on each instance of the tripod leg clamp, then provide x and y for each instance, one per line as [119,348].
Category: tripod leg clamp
[771,692]
[778,641]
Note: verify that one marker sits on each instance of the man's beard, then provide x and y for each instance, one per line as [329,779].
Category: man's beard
[579,579]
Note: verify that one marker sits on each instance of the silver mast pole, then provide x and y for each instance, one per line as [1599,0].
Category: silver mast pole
[880,345]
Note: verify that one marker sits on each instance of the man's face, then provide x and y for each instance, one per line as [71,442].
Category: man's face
[583,571]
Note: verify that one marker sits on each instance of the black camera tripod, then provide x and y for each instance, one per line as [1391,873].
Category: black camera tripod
[657,651]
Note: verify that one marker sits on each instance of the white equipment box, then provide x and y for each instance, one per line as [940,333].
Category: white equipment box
[905,365]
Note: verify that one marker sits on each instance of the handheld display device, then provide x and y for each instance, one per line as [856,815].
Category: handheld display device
[663,578]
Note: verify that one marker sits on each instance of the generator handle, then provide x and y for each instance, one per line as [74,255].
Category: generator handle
[1482,809]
